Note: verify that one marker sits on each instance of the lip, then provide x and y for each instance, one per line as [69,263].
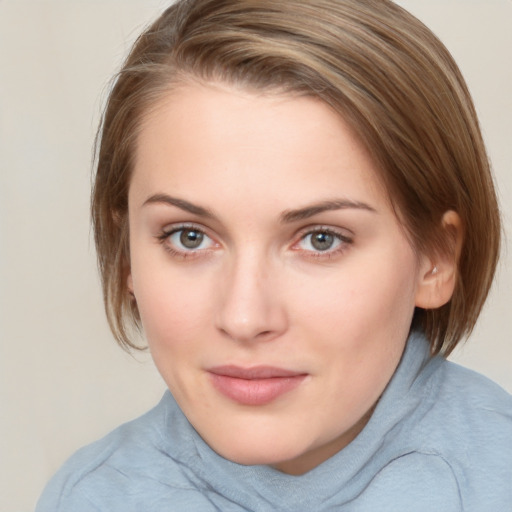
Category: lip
[257,385]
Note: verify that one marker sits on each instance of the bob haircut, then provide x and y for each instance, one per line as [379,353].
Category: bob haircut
[375,65]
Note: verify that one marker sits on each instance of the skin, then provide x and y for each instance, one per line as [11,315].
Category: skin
[237,166]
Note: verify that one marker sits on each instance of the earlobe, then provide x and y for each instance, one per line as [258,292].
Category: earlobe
[438,276]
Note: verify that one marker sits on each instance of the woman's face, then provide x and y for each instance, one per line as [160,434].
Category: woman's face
[275,285]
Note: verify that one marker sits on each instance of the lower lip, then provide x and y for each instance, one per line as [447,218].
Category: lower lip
[255,391]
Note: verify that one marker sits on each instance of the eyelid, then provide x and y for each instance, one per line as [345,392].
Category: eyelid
[171,229]
[344,235]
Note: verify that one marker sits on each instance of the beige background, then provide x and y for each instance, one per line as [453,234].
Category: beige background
[63,382]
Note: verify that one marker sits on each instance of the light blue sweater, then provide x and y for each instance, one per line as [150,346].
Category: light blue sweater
[440,439]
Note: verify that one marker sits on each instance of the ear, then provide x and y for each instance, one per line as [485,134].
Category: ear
[438,276]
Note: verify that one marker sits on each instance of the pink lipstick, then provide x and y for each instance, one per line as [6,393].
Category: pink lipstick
[258,385]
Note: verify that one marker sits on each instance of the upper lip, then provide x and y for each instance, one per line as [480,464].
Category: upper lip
[253,372]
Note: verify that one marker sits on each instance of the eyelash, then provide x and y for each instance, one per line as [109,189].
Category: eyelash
[343,242]
[164,236]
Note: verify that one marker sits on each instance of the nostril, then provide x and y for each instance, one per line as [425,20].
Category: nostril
[245,337]
[264,334]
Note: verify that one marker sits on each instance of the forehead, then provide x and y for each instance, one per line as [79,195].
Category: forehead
[216,138]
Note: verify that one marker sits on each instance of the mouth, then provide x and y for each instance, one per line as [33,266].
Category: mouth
[257,385]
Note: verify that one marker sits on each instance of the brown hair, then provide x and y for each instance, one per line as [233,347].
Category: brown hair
[370,60]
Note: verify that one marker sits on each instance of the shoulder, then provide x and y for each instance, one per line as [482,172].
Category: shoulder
[451,449]
[127,467]
[474,403]
[469,426]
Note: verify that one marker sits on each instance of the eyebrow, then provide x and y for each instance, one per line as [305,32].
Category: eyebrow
[179,203]
[287,216]
[316,208]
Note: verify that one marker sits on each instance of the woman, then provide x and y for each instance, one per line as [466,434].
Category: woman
[293,203]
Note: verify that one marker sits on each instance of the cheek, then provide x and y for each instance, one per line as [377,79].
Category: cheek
[368,299]
[172,308]
[364,297]
[173,319]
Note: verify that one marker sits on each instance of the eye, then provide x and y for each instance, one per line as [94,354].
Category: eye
[323,240]
[184,240]
[189,238]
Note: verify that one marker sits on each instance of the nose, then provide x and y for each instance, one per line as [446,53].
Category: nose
[250,306]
